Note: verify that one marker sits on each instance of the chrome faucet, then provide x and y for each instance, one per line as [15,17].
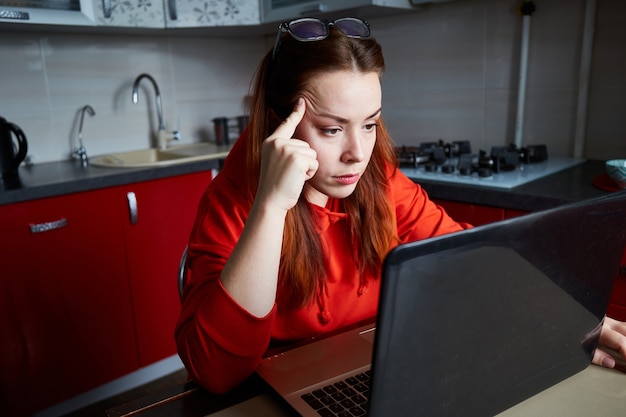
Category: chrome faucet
[163,136]
[81,152]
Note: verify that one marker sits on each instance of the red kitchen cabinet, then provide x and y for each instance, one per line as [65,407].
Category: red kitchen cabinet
[617,305]
[509,213]
[473,214]
[617,311]
[88,287]
[65,304]
[156,233]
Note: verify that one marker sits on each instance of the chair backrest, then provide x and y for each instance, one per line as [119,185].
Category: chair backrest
[182,273]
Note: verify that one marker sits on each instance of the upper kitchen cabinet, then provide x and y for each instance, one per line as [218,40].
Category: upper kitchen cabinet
[280,10]
[208,13]
[136,14]
[160,14]
[176,13]
[85,13]
[48,12]
[155,14]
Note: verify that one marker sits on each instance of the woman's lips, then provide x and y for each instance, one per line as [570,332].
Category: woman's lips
[347,179]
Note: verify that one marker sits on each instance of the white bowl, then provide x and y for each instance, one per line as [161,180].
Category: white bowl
[616,168]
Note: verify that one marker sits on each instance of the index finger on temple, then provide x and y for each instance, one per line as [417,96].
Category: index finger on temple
[289,125]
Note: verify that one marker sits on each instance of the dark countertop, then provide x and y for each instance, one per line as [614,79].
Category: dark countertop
[65,177]
[567,186]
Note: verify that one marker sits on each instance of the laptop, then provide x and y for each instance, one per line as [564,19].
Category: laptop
[469,323]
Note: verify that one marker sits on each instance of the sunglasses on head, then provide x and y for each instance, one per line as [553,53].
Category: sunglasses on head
[308,29]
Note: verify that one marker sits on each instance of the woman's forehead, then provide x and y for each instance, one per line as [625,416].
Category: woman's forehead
[344,93]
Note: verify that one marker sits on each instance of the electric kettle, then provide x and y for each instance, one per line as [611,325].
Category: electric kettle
[11,153]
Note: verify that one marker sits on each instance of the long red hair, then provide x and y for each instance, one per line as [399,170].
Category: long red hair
[277,86]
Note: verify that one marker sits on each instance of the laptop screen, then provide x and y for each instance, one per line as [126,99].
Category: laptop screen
[475,322]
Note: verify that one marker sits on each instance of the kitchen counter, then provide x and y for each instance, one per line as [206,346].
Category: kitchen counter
[66,177]
[503,179]
[57,178]
[565,186]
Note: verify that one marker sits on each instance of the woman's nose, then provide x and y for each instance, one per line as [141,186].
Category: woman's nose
[353,151]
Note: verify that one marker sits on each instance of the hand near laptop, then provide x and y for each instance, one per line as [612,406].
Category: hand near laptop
[611,350]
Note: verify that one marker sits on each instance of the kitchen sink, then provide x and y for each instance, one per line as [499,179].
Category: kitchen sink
[153,157]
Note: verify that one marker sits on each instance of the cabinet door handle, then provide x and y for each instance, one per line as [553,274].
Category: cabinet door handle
[171,5]
[47,226]
[132,207]
[106,8]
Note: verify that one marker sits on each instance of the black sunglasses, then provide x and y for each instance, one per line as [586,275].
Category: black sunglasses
[309,29]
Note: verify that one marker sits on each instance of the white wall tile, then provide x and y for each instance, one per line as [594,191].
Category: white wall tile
[452,73]
[499,118]
[52,76]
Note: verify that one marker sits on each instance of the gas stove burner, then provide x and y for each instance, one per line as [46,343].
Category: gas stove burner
[440,149]
[534,153]
[431,152]
[430,167]
[447,168]
[435,151]
[456,158]
[410,156]
[460,147]
[484,172]
[508,158]
[504,158]
[532,164]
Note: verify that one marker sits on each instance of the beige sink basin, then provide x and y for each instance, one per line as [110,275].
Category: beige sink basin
[153,157]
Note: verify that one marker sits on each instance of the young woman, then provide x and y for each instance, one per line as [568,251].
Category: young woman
[290,237]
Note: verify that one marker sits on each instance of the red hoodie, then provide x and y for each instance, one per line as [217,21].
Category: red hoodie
[219,342]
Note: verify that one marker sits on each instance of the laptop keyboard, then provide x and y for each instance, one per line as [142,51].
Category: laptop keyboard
[345,398]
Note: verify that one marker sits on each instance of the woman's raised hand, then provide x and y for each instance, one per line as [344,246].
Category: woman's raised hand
[286,164]
[251,273]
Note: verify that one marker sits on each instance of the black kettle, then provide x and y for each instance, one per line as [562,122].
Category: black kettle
[11,153]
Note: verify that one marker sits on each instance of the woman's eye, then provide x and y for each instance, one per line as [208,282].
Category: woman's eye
[371,126]
[330,132]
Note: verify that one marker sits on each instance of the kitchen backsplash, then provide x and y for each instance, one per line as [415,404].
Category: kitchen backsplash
[452,73]
[46,78]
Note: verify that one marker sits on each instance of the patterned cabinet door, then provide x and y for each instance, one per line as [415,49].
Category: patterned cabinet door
[207,13]
[129,13]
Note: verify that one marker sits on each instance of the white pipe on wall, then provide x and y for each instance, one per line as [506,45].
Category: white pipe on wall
[583,78]
[521,91]
[526,8]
